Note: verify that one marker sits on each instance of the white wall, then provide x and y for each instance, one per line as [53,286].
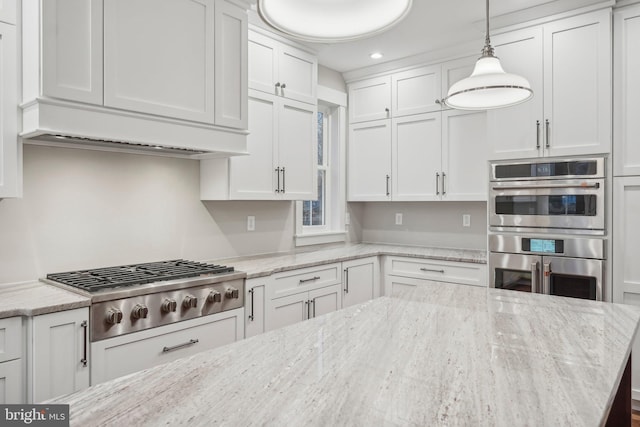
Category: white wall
[425,224]
[85,209]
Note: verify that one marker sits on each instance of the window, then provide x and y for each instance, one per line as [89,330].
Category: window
[322,220]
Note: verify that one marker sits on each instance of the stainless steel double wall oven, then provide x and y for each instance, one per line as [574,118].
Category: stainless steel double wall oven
[547,226]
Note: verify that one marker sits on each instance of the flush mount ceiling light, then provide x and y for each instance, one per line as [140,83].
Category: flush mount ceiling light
[332,20]
[376,55]
[489,86]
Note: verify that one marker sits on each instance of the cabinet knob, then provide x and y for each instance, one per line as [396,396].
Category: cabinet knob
[386,110]
[278,84]
[283,86]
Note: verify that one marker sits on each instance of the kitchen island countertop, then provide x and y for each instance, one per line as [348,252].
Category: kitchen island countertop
[441,354]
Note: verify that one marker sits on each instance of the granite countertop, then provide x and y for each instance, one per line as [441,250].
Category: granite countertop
[34,298]
[265,265]
[441,354]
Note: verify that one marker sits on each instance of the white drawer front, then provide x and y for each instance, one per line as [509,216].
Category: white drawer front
[443,271]
[112,357]
[305,279]
[10,338]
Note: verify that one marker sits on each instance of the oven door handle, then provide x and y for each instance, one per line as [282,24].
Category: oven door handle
[546,278]
[535,279]
[539,187]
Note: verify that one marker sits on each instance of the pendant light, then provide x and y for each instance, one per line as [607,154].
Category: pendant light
[489,86]
[327,21]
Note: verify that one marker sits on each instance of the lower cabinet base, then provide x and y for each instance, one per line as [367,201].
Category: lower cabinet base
[11,390]
[114,357]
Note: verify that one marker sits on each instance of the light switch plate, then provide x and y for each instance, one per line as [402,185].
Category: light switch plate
[251,223]
[398,219]
[466,220]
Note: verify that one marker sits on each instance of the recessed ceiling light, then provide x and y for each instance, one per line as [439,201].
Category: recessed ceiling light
[376,55]
[349,19]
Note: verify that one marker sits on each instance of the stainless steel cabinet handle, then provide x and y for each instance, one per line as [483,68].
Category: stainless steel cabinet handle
[84,325]
[432,270]
[437,101]
[444,188]
[549,186]
[548,134]
[308,304]
[283,178]
[283,86]
[387,184]
[538,134]
[437,184]
[278,184]
[314,307]
[386,110]
[546,278]
[310,280]
[346,280]
[179,346]
[534,277]
[251,291]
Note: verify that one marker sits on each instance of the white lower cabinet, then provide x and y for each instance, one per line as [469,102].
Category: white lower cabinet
[254,306]
[58,354]
[295,308]
[396,285]
[626,269]
[360,281]
[11,368]
[111,358]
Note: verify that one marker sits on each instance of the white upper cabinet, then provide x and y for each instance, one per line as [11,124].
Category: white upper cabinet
[369,161]
[416,91]
[573,88]
[159,57]
[8,11]
[9,149]
[72,43]
[281,69]
[370,100]
[626,95]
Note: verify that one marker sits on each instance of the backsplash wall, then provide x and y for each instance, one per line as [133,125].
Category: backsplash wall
[86,209]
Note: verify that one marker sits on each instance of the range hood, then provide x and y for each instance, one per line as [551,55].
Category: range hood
[60,123]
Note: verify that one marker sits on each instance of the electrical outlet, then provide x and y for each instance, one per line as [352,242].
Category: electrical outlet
[398,219]
[466,220]
[347,218]
[251,223]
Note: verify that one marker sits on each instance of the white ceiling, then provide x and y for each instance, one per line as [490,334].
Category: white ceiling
[437,24]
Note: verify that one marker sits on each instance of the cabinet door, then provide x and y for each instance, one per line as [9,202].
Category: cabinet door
[454,71]
[369,161]
[158,57]
[254,306]
[253,177]
[577,85]
[231,65]
[464,155]
[8,11]
[416,91]
[360,281]
[297,74]
[72,50]
[287,311]
[626,86]
[11,391]
[516,132]
[297,154]
[370,100]
[59,345]
[263,63]
[416,157]
[325,300]
[626,269]
[9,153]
[399,286]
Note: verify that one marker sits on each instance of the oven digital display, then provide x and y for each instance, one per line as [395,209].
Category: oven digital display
[543,245]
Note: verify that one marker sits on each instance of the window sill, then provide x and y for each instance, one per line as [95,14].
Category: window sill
[320,238]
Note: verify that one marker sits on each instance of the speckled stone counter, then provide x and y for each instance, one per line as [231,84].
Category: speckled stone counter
[32,299]
[265,265]
[442,354]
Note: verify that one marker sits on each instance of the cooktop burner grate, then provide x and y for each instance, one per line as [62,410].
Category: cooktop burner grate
[136,274]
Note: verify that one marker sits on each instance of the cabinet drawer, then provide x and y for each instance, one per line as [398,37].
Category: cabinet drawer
[305,279]
[443,271]
[10,338]
[111,358]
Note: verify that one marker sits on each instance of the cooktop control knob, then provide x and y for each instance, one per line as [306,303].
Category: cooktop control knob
[190,302]
[140,311]
[232,293]
[169,305]
[214,296]
[114,316]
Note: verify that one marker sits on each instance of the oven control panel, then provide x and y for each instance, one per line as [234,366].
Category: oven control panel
[543,246]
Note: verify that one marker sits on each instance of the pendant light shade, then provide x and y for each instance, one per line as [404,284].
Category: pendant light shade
[489,86]
[332,20]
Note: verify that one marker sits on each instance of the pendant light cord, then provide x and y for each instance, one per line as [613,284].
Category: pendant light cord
[487,51]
